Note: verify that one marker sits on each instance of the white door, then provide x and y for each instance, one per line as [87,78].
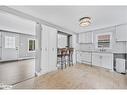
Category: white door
[10,46]
[44,53]
[52,49]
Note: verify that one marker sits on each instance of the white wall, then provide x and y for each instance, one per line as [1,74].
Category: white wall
[14,23]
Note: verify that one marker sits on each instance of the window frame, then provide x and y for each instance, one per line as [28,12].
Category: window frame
[28,44]
[100,34]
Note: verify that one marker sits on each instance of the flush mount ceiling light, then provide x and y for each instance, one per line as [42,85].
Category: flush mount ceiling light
[85,21]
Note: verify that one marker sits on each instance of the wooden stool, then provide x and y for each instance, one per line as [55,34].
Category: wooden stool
[71,50]
[62,55]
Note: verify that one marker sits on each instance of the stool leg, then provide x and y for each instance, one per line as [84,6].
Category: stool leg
[72,59]
[65,61]
[61,63]
[69,60]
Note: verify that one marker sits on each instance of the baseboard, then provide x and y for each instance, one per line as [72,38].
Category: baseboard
[42,72]
[37,74]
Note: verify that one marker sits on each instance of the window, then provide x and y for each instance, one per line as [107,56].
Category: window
[104,40]
[9,42]
[62,41]
[31,45]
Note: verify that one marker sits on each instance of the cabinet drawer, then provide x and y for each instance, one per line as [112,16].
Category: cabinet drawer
[86,56]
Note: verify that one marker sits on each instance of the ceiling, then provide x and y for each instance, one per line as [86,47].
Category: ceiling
[68,16]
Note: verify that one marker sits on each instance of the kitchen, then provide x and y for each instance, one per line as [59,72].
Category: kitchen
[106,54]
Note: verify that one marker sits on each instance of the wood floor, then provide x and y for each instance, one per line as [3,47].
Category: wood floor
[79,76]
[17,71]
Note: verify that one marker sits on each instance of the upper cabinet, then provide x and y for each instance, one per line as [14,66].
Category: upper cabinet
[121,33]
[85,37]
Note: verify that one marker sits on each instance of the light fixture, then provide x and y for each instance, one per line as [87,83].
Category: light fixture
[85,21]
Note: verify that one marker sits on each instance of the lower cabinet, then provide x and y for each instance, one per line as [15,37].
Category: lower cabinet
[86,57]
[78,56]
[96,59]
[104,60]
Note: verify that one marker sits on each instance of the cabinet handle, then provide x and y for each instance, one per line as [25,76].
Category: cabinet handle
[100,57]
[45,49]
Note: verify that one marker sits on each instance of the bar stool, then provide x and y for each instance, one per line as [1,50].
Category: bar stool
[68,56]
[71,50]
[62,57]
[59,57]
[64,61]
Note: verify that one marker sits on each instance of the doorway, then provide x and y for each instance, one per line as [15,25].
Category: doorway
[17,55]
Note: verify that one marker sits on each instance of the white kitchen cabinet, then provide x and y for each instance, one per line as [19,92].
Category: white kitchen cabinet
[119,47]
[49,49]
[121,33]
[96,59]
[78,57]
[107,61]
[86,37]
[80,38]
[104,60]
[86,57]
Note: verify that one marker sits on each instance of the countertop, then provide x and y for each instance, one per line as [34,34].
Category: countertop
[94,51]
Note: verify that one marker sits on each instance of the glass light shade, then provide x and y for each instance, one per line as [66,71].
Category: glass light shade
[85,21]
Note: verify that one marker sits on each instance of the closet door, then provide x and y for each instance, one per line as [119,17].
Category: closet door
[52,49]
[44,53]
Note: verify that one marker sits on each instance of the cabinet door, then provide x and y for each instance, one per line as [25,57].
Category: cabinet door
[96,59]
[44,53]
[78,60]
[80,38]
[89,37]
[86,37]
[86,57]
[52,49]
[121,33]
[107,61]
